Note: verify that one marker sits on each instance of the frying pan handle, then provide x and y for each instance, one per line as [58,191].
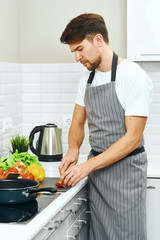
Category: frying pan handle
[43,190]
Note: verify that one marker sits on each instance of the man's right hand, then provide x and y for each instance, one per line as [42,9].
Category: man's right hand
[75,139]
[70,159]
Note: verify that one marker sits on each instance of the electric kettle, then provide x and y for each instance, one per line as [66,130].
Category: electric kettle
[49,143]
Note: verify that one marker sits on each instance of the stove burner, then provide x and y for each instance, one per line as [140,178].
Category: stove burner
[18,213]
[23,213]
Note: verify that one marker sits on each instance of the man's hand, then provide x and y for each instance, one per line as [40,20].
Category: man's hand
[75,173]
[70,159]
[75,139]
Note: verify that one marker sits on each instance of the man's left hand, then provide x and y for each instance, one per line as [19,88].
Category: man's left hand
[74,174]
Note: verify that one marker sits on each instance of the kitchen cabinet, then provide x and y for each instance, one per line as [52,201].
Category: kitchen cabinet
[72,221]
[153,209]
[143,30]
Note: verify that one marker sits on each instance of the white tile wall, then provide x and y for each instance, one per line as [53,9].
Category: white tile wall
[36,94]
[48,94]
[10,102]
[152,131]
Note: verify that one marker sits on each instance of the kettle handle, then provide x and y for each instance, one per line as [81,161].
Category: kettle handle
[31,138]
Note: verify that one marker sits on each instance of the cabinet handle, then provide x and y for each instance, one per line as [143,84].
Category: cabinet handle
[63,219]
[150,54]
[83,201]
[80,226]
[52,230]
[151,187]
[88,212]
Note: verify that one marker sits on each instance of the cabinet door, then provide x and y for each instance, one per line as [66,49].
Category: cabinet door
[153,209]
[143,30]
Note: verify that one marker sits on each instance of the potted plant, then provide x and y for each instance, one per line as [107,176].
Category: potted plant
[21,143]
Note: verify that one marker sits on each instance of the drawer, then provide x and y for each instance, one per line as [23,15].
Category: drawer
[84,219]
[78,206]
[71,210]
[58,226]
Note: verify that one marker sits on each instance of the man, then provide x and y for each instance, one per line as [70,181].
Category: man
[114,98]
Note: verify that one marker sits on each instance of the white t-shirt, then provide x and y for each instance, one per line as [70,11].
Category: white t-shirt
[133,87]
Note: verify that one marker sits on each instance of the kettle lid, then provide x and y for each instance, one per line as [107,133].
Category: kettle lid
[51,125]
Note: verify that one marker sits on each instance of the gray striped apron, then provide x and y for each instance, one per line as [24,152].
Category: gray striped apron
[117,193]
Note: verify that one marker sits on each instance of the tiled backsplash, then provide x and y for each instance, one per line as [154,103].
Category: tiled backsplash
[36,94]
[10,102]
[152,130]
[48,94]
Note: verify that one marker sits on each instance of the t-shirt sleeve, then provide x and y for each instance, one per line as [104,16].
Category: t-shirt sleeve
[81,89]
[138,94]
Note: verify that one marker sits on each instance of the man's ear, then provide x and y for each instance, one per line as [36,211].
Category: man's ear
[99,39]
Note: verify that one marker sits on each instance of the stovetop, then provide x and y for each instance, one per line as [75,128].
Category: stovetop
[23,213]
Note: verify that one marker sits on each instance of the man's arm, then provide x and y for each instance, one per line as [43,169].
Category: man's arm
[75,138]
[125,145]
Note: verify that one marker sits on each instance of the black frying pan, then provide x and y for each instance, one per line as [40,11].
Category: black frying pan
[20,190]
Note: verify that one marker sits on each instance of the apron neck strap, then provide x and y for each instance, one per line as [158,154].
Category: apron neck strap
[91,76]
[113,73]
[114,67]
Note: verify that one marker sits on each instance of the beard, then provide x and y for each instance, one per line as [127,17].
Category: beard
[93,65]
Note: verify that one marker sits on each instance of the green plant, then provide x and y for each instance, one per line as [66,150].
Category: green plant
[20,143]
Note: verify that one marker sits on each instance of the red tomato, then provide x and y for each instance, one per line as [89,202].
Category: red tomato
[5,175]
[2,176]
[1,171]
[28,176]
[12,170]
[58,184]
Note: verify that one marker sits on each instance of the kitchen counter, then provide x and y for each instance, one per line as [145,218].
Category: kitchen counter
[27,231]
[23,231]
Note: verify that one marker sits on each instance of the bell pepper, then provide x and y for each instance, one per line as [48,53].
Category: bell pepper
[37,171]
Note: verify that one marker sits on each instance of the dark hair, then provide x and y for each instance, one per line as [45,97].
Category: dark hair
[82,27]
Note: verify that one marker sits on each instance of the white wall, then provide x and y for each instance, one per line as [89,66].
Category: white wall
[9,31]
[30,29]
[43,21]
[152,132]
[48,94]
[10,102]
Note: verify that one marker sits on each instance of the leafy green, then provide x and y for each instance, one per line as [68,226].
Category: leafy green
[20,143]
[25,157]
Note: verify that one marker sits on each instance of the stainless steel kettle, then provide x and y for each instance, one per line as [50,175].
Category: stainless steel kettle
[49,143]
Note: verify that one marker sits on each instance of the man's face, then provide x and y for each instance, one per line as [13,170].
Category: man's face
[86,52]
